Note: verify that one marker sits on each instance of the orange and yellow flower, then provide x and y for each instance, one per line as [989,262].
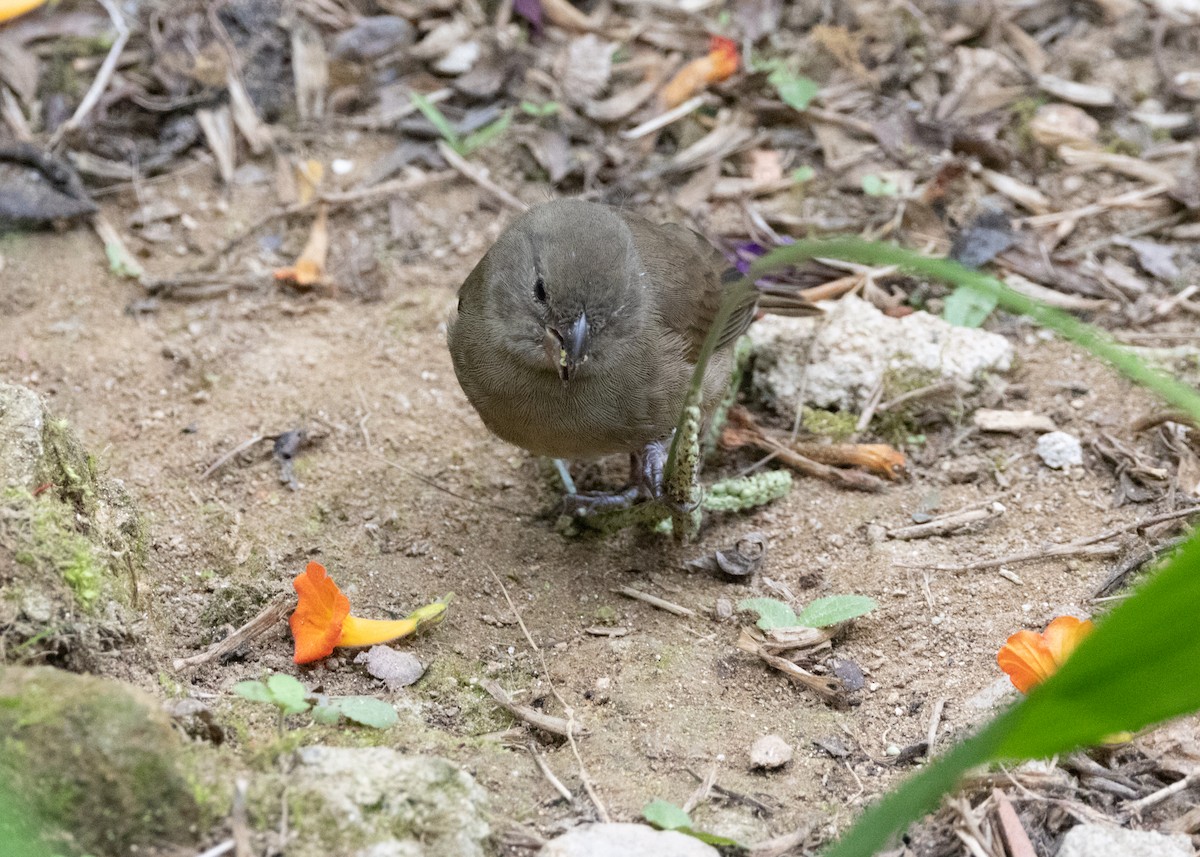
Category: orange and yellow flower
[322,622]
[1030,658]
[720,62]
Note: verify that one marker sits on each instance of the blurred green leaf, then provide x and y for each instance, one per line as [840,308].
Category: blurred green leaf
[968,307]
[367,710]
[326,714]
[255,691]
[289,694]
[772,613]
[795,90]
[547,108]
[665,815]
[485,135]
[824,612]
[874,185]
[438,119]
[800,175]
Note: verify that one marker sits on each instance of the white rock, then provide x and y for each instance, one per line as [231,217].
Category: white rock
[459,59]
[625,840]
[856,345]
[1057,449]
[1097,840]
[770,752]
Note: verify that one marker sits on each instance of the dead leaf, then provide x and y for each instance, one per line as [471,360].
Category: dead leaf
[744,559]
[1155,259]
[585,68]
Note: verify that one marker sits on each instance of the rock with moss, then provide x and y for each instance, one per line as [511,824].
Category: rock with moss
[378,802]
[72,544]
[837,361]
[95,762]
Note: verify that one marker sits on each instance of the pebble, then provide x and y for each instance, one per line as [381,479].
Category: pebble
[1057,450]
[770,752]
[1101,840]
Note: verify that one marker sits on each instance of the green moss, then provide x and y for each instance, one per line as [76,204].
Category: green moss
[41,533]
[836,425]
[234,604]
[449,682]
[606,615]
[97,762]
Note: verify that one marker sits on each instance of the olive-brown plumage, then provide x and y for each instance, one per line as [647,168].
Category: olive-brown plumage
[578,332]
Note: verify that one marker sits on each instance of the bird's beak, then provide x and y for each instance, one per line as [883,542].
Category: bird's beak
[567,347]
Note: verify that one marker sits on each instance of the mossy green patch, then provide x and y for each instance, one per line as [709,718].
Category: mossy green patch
[42,536]
[96,761]
[836,425]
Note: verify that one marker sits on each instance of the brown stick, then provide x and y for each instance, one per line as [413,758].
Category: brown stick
[526,714]
[654,601]
[266,619]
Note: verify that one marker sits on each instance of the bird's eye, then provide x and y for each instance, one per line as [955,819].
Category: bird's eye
[539,289]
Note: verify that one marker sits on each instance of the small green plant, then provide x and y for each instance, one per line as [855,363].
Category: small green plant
[289,696]
[773,613]
[794,90]
[539,111]
[667,816]
[803,174]
[469,144]
[873,185]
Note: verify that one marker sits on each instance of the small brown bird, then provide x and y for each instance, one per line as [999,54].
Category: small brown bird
[577,334]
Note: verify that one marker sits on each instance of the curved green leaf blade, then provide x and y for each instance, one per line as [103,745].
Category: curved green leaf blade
[833,609]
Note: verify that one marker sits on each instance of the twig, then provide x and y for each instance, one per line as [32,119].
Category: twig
[237,450]
[654,601]
[544,767]
[1132,564]
[779,845]
[702,791]
[919,393]
[218,850]
[1162,794]
[1014,832]
[864,419]
[476,175]
[526,714]
[945,524]
[238,821]
[935,720]
[1121,200]
[1086,546]
[662,120]
[267,618]
[515,612]
[737,797]
[103,76]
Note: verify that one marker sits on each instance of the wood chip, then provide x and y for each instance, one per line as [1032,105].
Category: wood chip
[1089,95]
[1011,422]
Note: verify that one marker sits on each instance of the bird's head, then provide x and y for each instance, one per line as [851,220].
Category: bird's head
[567,287]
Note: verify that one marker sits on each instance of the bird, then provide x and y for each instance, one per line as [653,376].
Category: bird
[578,332]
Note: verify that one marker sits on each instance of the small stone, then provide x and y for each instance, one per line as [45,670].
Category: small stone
[723,609]
[1057,450]
[876,533]
[1100,840]
[459,60]
[395,669]
[620,840]
[372,37]
[770,752]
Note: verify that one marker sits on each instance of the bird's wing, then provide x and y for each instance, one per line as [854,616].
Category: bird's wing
[691,279]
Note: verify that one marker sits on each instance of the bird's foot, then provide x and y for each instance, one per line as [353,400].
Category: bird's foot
[648,473]
[585,504]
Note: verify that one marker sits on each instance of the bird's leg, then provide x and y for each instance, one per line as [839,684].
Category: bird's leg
[647,470]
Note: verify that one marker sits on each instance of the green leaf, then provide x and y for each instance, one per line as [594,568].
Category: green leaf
[968,307]
[288,693]
[874,185]
[438,119]
[796,91]
[836,608]
[485,135]
[548,108]
[367,710]
[772,613]
[327,715]
[803,174]
[665,815]
[255,691]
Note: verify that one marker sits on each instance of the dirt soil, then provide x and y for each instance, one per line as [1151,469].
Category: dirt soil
[405,497]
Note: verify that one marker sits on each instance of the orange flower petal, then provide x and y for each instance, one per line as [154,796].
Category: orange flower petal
[1027,660]
[318,618]
[724,54]
[1063,635]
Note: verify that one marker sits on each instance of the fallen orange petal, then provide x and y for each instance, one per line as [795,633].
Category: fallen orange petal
[1064,634]
[719,63]
[319,616]
[309,268]
[1027,660]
